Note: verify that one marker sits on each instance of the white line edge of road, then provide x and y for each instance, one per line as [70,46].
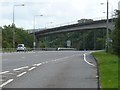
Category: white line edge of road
[87,61]
[21,74]
[5,83]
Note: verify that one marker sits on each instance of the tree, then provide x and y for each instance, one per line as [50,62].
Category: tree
[21,36]
[116,34]
[85,20]
[0,37]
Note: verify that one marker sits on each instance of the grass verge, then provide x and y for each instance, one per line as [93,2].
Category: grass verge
[108,69]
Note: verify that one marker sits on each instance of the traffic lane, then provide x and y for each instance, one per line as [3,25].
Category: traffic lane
[16,60]
[71,72]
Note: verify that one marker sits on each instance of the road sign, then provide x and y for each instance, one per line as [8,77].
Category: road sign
[68,43]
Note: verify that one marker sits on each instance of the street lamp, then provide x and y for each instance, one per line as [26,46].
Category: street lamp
[34,41]
[14,24]
[107,32]
[107,42]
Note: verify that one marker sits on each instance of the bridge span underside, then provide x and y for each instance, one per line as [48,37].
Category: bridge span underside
[101,24]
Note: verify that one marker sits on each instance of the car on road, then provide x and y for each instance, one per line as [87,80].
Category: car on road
[21,47]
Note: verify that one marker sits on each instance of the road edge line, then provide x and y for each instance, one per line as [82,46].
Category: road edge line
[87,61]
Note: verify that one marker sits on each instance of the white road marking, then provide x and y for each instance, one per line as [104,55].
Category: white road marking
[21,68]
[21,74]
[34,65]
[5,83]
[39,64]
[4,72]
[87,61]
[9,73]
[96,76]
[31,68]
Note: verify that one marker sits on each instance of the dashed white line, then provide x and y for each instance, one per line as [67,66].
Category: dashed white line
[21,74]
[5,83]
[21,68]
[34,65]
[4,72]
[39,64]
[31,68]
[87,61]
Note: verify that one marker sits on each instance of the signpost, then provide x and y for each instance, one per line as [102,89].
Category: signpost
[68,43]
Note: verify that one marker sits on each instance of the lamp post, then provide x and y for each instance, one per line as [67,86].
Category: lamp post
[14,23]
[34,40]
[107,32]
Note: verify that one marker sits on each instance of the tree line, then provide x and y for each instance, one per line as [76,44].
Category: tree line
[21,36]
[82,40]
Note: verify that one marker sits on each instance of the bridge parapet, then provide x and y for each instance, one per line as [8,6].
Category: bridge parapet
[99,24]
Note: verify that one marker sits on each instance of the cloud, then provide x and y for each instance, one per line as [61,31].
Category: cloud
[56,11]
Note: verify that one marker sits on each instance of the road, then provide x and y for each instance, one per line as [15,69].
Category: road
[49,69]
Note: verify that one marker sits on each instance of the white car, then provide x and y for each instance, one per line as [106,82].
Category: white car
[21,47]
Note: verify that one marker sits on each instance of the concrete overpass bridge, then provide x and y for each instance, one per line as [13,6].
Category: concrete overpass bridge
[92,25]
[99,24]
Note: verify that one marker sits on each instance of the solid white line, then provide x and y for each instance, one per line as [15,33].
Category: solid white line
[87,61]
[5,83]
[31,68]
[4,72]
[21,74]
[20,68]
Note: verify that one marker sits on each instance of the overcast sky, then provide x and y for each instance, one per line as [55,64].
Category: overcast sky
[55,12]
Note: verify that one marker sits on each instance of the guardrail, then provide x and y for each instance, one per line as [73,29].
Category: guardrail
[66,49]
[44,49]
[8,50]
[37,49]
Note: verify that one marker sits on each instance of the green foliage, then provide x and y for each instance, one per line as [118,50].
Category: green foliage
[21,36]
[116,34]
[85,20]
[88,39]
[0,37]
[108,69]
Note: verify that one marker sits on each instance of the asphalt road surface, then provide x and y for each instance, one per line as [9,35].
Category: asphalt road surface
[49,69]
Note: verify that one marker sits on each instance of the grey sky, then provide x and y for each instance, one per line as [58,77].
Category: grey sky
[55,11]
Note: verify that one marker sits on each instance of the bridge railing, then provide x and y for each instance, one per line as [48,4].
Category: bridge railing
[64,24]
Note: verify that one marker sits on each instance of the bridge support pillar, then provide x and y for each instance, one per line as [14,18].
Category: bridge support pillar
[37,42]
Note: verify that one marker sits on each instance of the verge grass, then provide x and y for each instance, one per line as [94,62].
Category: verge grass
[108,69]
